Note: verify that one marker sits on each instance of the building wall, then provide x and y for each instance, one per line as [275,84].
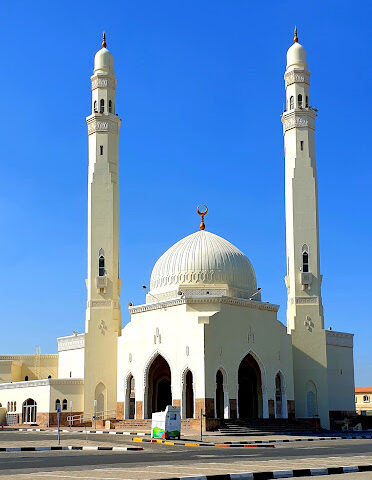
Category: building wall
[174,332]
[14,368]
[236,331]
[363,400]
[73,391]
[71,356]
[340,370]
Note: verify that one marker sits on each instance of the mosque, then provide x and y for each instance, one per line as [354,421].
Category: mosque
[203,340]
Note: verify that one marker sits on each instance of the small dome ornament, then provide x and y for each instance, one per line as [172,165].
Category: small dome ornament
[104,44]
[295,37]
[202,210]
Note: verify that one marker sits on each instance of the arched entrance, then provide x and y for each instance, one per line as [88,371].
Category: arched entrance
[188,395]
[100,398]
[159,386]
[311,399]
[29,409]
[250,388]
[219,395]
[278,396]
[130,398]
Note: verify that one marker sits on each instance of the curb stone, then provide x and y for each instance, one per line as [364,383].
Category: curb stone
[69,447]
[303,472]
[80,431]
[200,444]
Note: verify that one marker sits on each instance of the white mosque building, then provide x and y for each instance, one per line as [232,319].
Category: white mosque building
[203,340]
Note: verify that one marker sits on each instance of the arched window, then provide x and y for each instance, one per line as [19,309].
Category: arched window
[26,378]
[110,106]
[299,100]
[95,106]
[64,404]
[1,405]
[11,407]
[307,102]
[58,403]
[49,376]
[291,103]
[8,409]
[305,258]
[102,105]
[101,266]
[15,406]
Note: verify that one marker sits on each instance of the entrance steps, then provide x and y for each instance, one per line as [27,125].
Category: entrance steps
[265,425]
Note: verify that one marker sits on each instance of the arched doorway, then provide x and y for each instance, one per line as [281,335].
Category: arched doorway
[250,388]
[159,386]
[189,394]
[311,400]
[100,398]
[29,409]
[219,395]
[278,396]
[130,398]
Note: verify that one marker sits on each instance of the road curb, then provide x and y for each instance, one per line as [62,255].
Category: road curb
[80,431]
[68,447]
[199,444]
[303,472]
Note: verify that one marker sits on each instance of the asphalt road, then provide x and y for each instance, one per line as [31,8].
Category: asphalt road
[28,462]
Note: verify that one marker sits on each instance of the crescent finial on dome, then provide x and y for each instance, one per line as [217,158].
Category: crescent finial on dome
[202,213]
[295,37]
[104,44]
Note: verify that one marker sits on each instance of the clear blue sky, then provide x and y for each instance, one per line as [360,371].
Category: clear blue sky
[200,92]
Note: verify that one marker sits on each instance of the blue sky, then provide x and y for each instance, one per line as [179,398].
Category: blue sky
[200,92]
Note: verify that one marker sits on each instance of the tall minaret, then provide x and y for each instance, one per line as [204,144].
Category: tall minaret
[103,317]
[303,280]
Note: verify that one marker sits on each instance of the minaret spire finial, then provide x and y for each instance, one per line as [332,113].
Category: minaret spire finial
[202,213]
[295,37]
[104,44]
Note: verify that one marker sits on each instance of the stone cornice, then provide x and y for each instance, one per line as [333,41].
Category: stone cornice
[72,342]
[52,382]
[103,81]
[298,118]
[27,357]
[339,339]
[99,122]
[209,300]
[297,76]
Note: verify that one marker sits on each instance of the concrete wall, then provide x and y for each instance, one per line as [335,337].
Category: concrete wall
[14,368]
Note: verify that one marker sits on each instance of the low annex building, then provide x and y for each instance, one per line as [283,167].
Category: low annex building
[203,339]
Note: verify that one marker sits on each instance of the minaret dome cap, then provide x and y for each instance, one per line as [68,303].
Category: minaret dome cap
[296,55]
[103,60]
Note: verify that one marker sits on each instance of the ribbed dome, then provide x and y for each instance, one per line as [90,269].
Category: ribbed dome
[203,258]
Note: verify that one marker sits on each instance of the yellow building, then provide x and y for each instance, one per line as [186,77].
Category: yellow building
[363,400]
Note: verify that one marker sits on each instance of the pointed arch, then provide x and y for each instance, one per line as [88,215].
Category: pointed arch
[100,396]
[251,382]
[221,394]
[311,399]
[130,396]
[157,384]
[188,395]
[280,387]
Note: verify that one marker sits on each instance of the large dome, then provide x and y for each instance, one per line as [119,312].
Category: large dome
[203,258]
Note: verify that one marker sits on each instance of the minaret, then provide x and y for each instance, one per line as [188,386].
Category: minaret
[103,317]
[303,280]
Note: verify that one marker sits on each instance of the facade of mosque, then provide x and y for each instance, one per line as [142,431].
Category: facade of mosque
[203,340]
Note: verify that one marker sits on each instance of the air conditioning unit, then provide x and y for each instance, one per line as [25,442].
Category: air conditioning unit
[306,278]
[101,284]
